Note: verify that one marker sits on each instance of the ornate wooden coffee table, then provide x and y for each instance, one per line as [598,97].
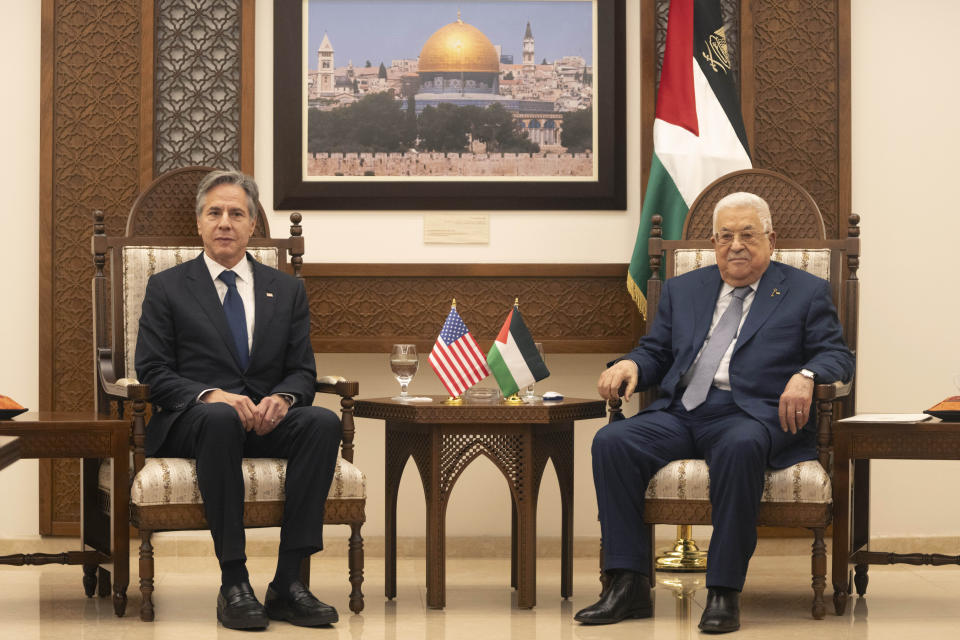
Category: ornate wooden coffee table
[855,444]
[104,541]
[444,439]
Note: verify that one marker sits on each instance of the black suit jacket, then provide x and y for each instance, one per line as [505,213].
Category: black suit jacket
[184,345]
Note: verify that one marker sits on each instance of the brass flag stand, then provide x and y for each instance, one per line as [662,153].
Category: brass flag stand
[685,555]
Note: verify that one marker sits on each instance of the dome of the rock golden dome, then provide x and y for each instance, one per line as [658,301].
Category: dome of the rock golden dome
[459,47]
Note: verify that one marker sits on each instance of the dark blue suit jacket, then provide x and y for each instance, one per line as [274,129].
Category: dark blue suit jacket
[792,325]
[184,345]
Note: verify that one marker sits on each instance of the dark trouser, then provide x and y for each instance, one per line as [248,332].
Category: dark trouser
[308,437]
[626,454]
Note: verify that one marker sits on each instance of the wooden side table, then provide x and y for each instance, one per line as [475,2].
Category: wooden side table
[855,444]
[105,541]
[9,450]
[444,439]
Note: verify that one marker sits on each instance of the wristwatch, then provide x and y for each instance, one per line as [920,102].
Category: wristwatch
[806,373]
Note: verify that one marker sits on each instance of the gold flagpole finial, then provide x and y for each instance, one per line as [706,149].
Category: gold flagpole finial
[453,303]
[516,302]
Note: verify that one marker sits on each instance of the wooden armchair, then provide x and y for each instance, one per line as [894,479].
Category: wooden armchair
[801,495]
[161,232]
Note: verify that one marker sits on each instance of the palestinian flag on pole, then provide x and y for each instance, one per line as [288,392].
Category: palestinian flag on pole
[698,132]
[513,358]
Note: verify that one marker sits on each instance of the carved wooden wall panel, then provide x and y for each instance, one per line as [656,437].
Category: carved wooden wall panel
[198,84]
[792,61]
[570,308]
[796,131]
[89,157]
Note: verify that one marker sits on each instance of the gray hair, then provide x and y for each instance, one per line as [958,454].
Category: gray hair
[242,180]
[742,199]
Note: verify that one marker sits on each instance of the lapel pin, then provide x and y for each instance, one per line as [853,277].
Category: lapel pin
[776,292]
[269,295]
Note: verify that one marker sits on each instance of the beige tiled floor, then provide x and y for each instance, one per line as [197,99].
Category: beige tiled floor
[902,602]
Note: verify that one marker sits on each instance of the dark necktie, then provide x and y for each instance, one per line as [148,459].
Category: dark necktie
[709,362]
[236,316]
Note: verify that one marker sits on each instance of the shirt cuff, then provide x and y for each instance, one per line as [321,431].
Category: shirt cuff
[289,397]
[205,392]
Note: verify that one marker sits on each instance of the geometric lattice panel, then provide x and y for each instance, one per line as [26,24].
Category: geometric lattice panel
[198,83]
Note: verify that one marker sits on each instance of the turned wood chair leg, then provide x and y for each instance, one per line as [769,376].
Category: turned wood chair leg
[819,571]
[356,567]
[860,578]
[146,576]
[90,579]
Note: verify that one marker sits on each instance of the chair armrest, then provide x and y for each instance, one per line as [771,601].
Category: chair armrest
[337,386]
[833,390]
[122,389]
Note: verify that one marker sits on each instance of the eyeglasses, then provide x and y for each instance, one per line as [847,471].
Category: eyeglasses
[746,237]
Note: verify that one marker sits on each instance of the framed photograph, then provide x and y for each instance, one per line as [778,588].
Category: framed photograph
[439,104]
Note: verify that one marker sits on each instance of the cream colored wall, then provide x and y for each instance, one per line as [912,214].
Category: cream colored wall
[19,184]
[903,141]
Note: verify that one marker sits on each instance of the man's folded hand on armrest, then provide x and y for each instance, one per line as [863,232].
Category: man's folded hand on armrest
[624,371]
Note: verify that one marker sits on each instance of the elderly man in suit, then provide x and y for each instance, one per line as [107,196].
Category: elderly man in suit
[734,351]
[224,344]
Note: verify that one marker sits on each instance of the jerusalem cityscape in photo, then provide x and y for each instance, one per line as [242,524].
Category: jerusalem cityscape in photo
[437,89]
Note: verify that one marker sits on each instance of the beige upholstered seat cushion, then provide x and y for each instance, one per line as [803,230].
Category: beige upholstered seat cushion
[814,261]
[805,482]
[174,481]
[139,263]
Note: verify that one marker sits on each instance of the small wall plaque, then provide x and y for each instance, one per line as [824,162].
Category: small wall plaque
[456,228]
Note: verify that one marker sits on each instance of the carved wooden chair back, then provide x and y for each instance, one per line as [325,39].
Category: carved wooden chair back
[161,232]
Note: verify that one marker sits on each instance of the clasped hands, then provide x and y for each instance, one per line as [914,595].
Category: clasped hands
[794,407]
[260,418]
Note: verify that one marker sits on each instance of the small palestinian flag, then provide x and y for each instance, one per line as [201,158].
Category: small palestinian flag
[513,358]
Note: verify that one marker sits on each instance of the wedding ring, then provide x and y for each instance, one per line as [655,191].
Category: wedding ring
[799,412]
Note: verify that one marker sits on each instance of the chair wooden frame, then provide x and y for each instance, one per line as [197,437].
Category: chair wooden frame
[802,227]
[163,215]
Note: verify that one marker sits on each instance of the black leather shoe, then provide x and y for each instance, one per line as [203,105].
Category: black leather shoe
[627,596]
[722,613]
[238,608]
[298,606]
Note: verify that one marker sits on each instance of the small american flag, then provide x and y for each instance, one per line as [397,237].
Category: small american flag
[455,357]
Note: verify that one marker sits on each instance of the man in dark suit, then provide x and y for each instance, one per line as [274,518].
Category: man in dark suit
[224,344]
[734,350]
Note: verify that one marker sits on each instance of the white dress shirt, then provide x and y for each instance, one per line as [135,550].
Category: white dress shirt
[721,380]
